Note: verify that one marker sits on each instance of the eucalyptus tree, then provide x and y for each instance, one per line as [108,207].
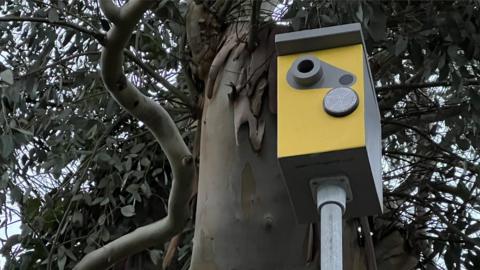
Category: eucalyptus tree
[131,127]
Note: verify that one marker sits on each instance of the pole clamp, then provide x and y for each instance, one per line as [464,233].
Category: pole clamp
[334,189]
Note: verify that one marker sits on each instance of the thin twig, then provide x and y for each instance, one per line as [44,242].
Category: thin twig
[97,35]
[252,37]
[370,250]
[57,62]
[413,86]
[147,68]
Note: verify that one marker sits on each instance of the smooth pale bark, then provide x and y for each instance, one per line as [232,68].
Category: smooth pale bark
[244,219]
[162,127]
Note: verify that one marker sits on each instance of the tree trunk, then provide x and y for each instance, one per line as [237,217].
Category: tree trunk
[244,218]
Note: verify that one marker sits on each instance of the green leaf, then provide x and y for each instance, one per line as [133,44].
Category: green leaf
[157,171]
[97,200]
[91,132]
[453,53]
[70,254]
[155,256]
[105,201]
[7,76]
[53,15]
[4,180]
[19,138]
[145,188]
[16,193]
[444,71]
[32,206]
[105,235]
[23,131]
[128,164]
[103,183]
[61,262]
[145,162]
[6,144]
[128,210]
[10,242]
[462,143]
[463,191]
[132,188]
[291,12]
[401,45]
[475,100]
[416,55]
[103,156]
[378,23]
[3,198]
[77,197]
[102,219]
[359,13]
[77,218]
[457,82]
[112,107]
[137,148]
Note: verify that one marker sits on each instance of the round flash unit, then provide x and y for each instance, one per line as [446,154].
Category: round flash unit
[340,101]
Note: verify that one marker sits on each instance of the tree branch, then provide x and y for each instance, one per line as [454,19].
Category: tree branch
[110,10]
[254,16]
[369,247]
[438,212]
[97,35]
[429,116]
[54,5]
[101,39]
[57,62]
[461,162]
[170,87]
[162,127]
[414,86]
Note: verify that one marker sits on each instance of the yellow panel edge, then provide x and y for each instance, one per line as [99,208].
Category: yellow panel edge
[303,125]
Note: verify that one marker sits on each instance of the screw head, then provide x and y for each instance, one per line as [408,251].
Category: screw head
[346,79]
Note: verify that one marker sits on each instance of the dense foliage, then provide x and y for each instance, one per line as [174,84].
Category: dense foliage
[77,172]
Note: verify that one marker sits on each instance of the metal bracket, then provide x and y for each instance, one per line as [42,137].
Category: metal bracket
[318,184]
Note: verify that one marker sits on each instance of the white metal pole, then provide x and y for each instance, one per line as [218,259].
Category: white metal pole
[331,237]
[331,199]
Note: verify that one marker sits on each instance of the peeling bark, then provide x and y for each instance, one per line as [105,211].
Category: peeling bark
[391,254]
[244,219]
[203,38]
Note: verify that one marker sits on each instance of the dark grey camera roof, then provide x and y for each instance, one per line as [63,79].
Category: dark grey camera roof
[318,39]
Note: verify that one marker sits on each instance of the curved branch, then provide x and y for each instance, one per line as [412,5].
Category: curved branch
[110,10]
[167,134]
[170,87]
